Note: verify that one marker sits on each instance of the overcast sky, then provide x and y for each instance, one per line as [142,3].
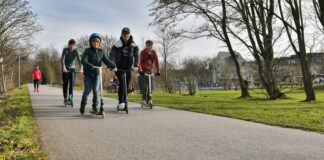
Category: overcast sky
[62,20]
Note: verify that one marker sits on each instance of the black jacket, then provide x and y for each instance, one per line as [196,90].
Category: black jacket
[118,50]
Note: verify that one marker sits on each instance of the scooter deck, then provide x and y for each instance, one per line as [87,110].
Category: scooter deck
[98,116]
[69,104]
[122,110]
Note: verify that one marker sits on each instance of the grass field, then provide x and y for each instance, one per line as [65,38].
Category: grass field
[291,112]
[19,135]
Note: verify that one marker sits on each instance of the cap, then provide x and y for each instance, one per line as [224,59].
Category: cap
[126,30]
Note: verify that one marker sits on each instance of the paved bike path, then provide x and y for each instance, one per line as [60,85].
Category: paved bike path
[161,134]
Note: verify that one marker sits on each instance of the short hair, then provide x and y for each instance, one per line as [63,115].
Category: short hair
[149,42]
[72,41]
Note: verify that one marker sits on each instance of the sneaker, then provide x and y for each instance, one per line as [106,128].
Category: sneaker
[65,101]
[82,109]
[121,106]
[144,103]
[94,111]
[34,89]
[37,89]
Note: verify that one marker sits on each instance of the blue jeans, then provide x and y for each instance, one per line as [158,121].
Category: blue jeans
[91,82]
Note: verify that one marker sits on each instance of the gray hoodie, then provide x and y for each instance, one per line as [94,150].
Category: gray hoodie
[68,58]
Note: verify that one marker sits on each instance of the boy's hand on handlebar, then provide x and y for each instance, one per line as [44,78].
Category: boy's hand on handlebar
[81,71]
[157,74]
[64,69]
[135,69]
[114,70]
[141,73]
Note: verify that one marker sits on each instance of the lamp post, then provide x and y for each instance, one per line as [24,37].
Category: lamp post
[19,60]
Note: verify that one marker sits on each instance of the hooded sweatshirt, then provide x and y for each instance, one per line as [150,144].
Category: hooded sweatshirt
[125,55]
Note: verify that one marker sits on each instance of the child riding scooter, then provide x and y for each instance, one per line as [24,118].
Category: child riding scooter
[147,57]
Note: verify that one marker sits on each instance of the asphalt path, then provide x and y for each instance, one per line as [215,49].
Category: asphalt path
[161,134]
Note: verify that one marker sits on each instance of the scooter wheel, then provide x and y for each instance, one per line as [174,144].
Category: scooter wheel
[150,105]
[103,115]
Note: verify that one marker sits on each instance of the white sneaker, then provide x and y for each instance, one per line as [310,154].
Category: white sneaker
[121,106]
[144,103]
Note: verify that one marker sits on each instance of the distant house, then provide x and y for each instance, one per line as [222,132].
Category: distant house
[288,68]
[222,68]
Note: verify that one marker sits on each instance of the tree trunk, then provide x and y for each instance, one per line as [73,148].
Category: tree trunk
[3,78]
[11,78]
[166,75]
[271,85]
[307,78]
[244,86]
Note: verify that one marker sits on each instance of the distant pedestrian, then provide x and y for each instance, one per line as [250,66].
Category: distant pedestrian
[37,77]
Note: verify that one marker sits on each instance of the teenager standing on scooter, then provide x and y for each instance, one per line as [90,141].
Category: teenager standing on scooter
[68,57]
[125,55]
[92,57]
[37,77]
[147,57]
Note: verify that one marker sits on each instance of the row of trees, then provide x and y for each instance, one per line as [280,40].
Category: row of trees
[263,27]
[17,26]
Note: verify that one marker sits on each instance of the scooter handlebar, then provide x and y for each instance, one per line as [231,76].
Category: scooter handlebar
[99,67]
[73,72]
[148,74]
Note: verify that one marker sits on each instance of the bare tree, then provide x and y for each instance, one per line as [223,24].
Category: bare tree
[319,10]
[82,43]
[168,44]
[48,60]
[256,19]
[215,23]
[18,24]
[294,25]
[106,44]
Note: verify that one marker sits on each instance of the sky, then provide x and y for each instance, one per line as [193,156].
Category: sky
[63,20]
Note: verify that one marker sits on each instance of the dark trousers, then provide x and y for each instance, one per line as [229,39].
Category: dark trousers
[145,87]
[121,88]
[140,83]
[68,80]
[36,83]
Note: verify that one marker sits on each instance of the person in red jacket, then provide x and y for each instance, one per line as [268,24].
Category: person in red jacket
[37,77]
[147,57]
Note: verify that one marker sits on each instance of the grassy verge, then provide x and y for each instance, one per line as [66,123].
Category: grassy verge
[291,112]
[19,135]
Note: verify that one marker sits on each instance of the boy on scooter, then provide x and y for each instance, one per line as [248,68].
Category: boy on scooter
[92,57]
[125,55]
[68,57]
[147,57]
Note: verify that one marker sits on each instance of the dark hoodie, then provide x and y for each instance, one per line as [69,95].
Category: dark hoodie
[125,55]
[94,57]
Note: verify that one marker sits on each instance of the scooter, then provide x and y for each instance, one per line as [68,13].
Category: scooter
[70,103]
[101,111]
[150,102]
[125,91]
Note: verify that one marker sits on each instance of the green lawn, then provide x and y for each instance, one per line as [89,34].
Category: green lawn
[291,112]
[19,135]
